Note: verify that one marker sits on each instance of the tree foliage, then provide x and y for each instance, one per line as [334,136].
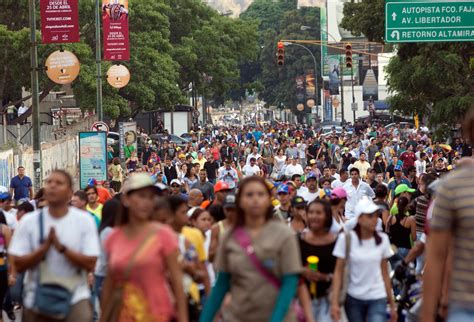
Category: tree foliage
[172,43]
[365,17]
[279,20]
[431,79]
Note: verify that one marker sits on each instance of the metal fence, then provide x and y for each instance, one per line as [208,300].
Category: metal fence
[23,134]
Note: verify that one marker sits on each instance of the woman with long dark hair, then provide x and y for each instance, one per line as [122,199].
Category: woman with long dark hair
[365,251]
[257,261]
[109,213]
[319,241]
[142,260]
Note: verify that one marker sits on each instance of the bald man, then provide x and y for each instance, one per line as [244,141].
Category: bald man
[195,198]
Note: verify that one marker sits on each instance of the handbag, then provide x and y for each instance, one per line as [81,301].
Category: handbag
[245,242]
[52,298]
[113,308]
[345,275]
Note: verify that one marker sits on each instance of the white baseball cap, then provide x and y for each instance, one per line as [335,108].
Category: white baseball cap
[366,206]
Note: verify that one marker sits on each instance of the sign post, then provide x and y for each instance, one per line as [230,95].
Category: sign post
[429,21]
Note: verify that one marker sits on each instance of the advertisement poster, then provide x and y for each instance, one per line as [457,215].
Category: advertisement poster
[59,21]
[370,87]
[327,116]
[334,74]
[128,139]
[92,157]
[115,25]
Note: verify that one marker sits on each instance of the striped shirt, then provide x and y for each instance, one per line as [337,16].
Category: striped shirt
[454,211]
[422,203]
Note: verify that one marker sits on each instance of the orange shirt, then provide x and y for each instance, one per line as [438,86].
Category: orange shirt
[104,194]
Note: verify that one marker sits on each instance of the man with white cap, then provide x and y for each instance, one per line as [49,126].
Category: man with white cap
[293,168]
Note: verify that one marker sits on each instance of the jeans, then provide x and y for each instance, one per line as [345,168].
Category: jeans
[16,291]
[420,260]
[321,309]
[366,310]
[96,293]
[457,314]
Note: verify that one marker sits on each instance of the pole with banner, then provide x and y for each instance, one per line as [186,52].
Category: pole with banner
[59,21]
[115,29]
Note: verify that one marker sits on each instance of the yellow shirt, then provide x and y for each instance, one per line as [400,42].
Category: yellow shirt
[195,237]
[201,162]
[97,211]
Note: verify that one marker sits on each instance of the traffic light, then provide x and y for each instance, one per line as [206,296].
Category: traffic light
[349,56]
[280,53]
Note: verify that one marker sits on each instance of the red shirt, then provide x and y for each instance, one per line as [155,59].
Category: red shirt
[408,159]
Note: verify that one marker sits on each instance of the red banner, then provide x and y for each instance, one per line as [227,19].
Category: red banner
[115,25]
[59,21]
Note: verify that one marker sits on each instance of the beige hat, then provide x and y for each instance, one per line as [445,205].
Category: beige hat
[138,181]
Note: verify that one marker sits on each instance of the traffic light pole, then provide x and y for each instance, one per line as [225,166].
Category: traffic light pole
[353,96]
[341,72]
[35,98]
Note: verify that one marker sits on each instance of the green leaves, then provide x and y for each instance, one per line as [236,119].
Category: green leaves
[172,43]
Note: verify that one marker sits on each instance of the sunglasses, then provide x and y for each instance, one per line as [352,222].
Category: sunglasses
[174,186]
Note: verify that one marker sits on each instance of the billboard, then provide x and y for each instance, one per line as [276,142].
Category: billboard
[115,29]
[59,21]
[92,157]
[128,139]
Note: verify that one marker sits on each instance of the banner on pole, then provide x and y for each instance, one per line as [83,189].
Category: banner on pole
[115,26]
[92,157]
[59,21]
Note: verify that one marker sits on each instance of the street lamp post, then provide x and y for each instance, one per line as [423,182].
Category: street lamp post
[35,97]
[315,71]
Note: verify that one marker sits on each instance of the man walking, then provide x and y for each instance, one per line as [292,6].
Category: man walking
[64,250]
[21,186]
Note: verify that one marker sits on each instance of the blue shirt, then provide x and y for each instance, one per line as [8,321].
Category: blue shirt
[21,187]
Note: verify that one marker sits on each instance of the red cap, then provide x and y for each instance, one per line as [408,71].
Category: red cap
[221,185]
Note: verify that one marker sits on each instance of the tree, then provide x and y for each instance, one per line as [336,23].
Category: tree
[172,42]
[431,79]
[365,17]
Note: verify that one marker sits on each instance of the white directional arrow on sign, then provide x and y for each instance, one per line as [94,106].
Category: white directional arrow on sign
[395,34]
[394,16]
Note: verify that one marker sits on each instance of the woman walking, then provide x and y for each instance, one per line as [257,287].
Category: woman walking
[319,242]
[257,261]
[366,253]
[142,258]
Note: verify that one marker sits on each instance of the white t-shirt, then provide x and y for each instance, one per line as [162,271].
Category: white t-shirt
[293,169]
[76,230]
[365,276]
[11,219]
[250,171]
[309,196]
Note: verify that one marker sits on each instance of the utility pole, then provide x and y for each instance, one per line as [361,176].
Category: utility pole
[353,96]
[342,91]
[35,97]
[98,59]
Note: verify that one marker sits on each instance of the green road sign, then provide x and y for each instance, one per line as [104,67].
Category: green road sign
[428,20]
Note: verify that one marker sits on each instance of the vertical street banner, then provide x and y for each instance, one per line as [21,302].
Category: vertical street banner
[310,91]
[300,93]
[59,21]
[333,64]
[127,139]
[92,157]
[115,29]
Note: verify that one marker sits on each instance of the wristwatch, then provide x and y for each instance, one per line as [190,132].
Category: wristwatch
[62,249]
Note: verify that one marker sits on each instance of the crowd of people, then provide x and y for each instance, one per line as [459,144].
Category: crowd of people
[281,223]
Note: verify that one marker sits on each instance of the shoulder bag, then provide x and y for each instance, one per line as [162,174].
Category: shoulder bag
[346,272]
[113,308]
[53,294]
[245,242]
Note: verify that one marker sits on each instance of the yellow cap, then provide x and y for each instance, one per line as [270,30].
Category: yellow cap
[312,259]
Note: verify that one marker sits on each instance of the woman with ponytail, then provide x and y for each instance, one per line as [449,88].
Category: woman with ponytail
[368,284]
